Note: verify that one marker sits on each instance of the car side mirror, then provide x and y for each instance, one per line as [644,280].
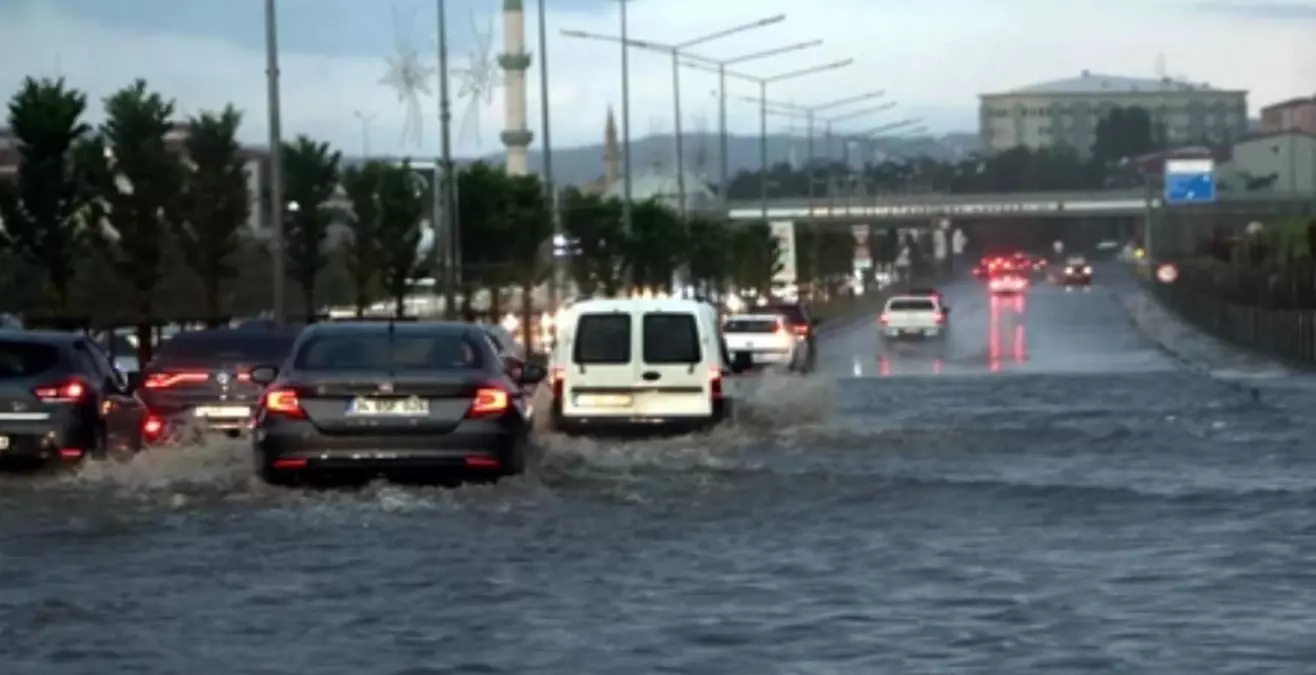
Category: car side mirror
[263,375]
[742,362]
[134,380]
[533,373]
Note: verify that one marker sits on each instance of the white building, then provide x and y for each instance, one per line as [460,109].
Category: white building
[1066,112]
[1283,162]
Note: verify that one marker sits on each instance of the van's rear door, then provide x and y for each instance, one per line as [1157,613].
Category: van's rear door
[674,379]
[600,367]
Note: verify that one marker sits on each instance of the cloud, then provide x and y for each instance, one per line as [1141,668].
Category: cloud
[933,57]
[1257,9]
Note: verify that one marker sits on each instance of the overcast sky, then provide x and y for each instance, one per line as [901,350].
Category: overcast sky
[931,56]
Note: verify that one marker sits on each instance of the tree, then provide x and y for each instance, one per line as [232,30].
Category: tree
[41,208]
[657,245]
[141,185]
[311,177]
[361,251]
[481,200]
[1121,134]
[526,241]
[593,225]
[216,203]
[709,254]
[757,258]
[402,198]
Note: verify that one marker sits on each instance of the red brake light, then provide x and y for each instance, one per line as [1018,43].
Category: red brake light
[558,377]
[715,383]
[284,402]
[490,401]
[153,428]
[802,329]
[72,391]
[885,318]
[941,317]
[166,380]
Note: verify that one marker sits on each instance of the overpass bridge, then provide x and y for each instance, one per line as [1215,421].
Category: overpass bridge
[1092,204]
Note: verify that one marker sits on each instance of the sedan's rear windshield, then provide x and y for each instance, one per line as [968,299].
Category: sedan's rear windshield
[384,353]
[19,360]
[234,346]
[911,305]
[603,339]
[750,326]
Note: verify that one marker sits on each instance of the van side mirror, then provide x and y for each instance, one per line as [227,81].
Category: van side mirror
[742,362]
[533,373]
[263,375]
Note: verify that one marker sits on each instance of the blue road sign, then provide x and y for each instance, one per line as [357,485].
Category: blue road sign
[1191,182]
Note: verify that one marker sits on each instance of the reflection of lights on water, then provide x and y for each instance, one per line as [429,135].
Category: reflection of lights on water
[936,367]
[857,367]
[1019,304]
[1020,344]
[884,366]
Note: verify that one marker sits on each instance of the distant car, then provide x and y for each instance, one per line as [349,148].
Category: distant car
[204,377]
[61,400]
[767,341]
[1077,272]
[369,399]
[1011,283]
[799,322]
[913,316]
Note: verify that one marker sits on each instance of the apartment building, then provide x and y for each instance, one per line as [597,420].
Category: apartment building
[1066,112]
[1296,114]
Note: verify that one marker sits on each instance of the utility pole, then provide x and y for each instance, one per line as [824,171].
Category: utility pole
[276,167]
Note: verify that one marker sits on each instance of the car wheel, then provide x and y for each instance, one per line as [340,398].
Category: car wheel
[515,461]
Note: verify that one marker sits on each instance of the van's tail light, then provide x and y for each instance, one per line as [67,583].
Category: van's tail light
[166,380]
[715,383]
[802,330]
[884,319]
[70,391]
[941,317]
[284,403]
[489,401]
[558,378]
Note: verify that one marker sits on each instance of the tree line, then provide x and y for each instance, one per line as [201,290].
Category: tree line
[1121,134]
[1272,266]
[134,223]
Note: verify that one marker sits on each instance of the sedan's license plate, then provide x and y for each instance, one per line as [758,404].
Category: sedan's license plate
[225,412]
[388,406]
[603,400]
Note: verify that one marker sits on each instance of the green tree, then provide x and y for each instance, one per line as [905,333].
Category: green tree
[482,218]
[402,199]
[526,244]
[593,225]
[41,207]
[216,203]
[709,253]
[311,177]
[141,185]
[657,245]
[361,251]
[757,258]
[1123,133]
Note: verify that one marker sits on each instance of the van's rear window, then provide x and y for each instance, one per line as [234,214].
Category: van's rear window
[671,338]
[911,306]
[603,339]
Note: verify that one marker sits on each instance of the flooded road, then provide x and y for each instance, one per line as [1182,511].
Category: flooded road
[1046,491]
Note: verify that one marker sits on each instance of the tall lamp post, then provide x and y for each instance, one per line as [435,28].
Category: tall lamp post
[276,165]
[366,119]
[677,50]
[444,190]
[546,133]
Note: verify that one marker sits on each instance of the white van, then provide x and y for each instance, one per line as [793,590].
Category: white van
[639,365]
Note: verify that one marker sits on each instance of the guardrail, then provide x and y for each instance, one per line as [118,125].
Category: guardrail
[1285,334]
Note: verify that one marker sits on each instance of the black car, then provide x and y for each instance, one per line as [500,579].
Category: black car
[1077,272]
[204,377]
[370,399]
[796,318]
[61,400]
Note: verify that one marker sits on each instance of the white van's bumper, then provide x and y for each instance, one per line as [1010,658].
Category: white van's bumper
[911,331]
[647,425]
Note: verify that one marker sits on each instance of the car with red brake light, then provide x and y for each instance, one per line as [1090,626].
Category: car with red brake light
[371,399]
[62,400]
[203,378]
[913,316]
[1008,284]
[767,340]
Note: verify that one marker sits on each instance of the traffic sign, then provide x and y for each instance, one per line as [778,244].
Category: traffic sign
[1189,181]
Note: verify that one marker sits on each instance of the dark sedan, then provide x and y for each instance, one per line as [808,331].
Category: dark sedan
[203,378]
[390,399]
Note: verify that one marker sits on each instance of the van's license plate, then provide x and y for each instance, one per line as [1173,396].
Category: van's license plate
[223,411]
[603,400]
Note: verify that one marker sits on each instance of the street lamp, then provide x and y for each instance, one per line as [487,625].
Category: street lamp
[677,51]
[366,119]
[444,189]
[276,164]
[763,83]
[547,136]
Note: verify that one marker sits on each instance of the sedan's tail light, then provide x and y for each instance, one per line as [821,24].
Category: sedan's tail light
[152,428]
[490,401]
[70,391]
[283,402]
[166,380]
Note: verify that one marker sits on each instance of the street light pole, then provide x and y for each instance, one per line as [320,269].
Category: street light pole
[276,166]
[547,134]
[365,119]
[626,222]
[445,189]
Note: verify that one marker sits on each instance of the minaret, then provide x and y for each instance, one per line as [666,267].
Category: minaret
[611,153]
[515,61]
